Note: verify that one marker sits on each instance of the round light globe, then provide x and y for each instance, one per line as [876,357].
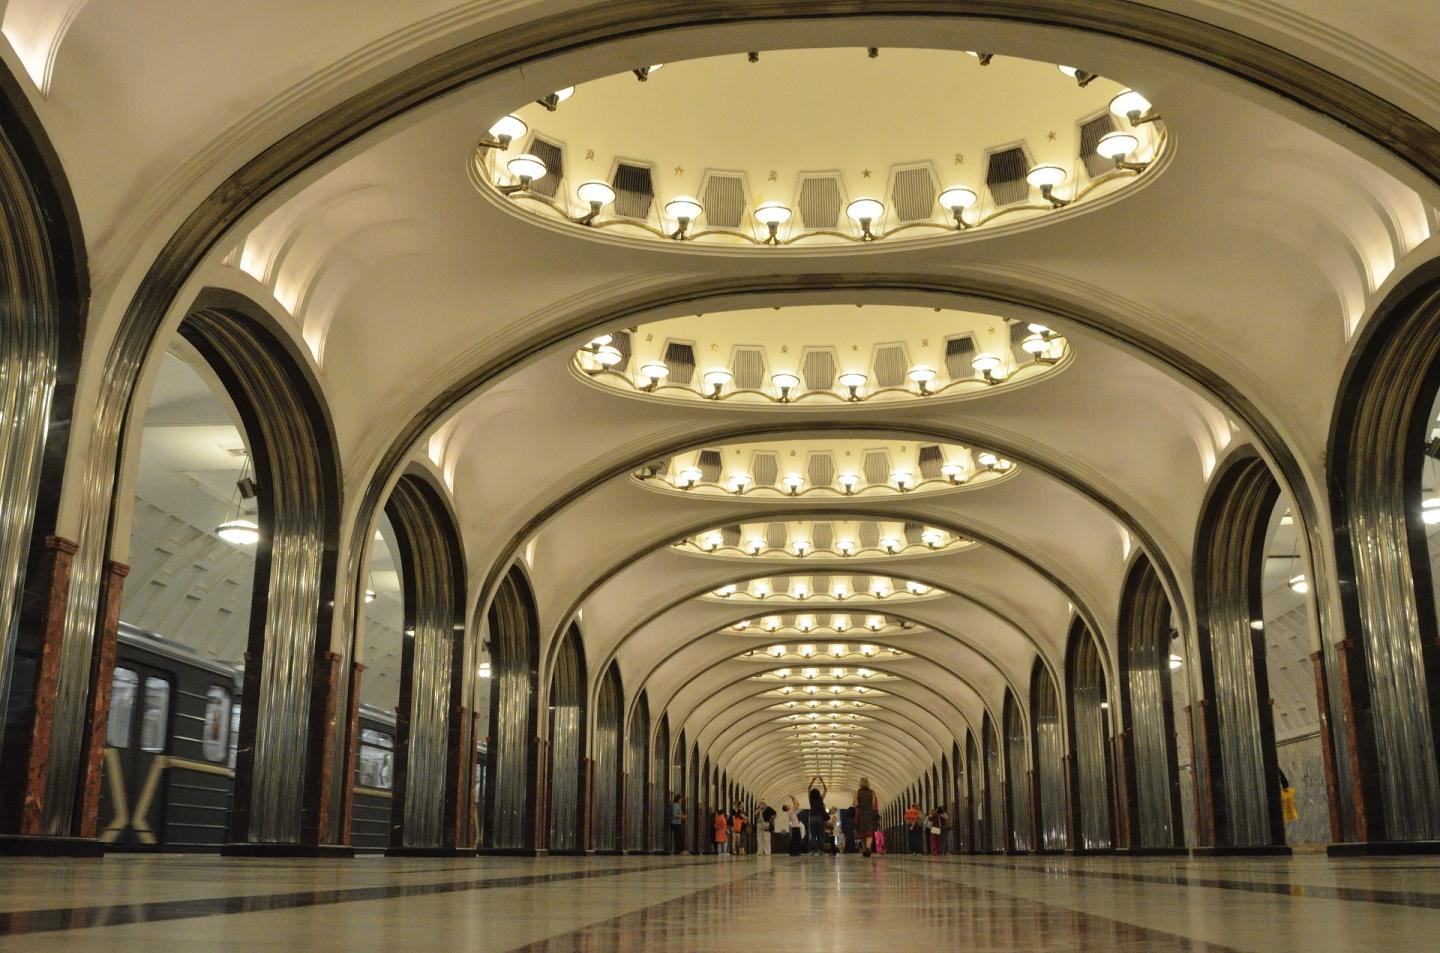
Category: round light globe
[1115,146]
[239,532]
[1045,175]
[862,210]
[960,198]
[593,193]
[527,167]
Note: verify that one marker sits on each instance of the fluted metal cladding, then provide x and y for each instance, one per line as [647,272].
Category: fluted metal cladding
[567,743]
[29,365]
[429,559]
[513,653]
[303,499]
[1230,564]
[1049,745]
[994,784]
[606,795]
[977,809]
[1017,770]
[693,807]
[1089,739]
[1378,467]
[663,785]
[638,776]
[1145,659]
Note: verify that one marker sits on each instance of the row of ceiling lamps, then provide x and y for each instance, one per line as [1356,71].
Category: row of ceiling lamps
[805,623]
[931,537]
[689,477]
[838,671]
[815,689]
[879,589]
[527,169]
[991,368]
[836,650]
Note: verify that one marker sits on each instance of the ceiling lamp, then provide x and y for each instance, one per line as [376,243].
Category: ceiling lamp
[988,365]
[1430,511]
[1299,583]
[956,201]
[771,623]
[1133,107]
[933,538]
[527,169]
[904,480]
[786,690]
[684,210]
[760,590]
[877,589]
[756,545]
[717,379]
[608,355]
[1115,146]
[725,592]
[845,547]
[654,372]
[984,58]
[890,544]
[597,195]
[1175,661]
[801,591]
[987,460]
[801,546]
[738,482]
[840,623]
[954,472]
[811,689]
[864,212]
[741,626]
[1036,346]
[782,673]
[922,376]
[793,482]
[848,482]
[240,532]
[874,623]
[552,101]
[807,651]
[1045,178]
[1081,77]
[643,73]
[778,651]
[505,131]
[868,650]
[711,542]
[688,477]
[784,382]
[839,591]
[916,588]
[772,215]
[853,381]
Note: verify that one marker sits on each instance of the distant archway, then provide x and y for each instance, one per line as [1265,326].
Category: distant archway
[566,778]
[1088,707]
[513,634]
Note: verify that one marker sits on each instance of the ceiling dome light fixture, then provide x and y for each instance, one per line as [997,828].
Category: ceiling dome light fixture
[988,365]
[738,483]
[848,482]
[793,482]
[890,544]
[922,376]
[904,480]
[643,73]
[505,131]
[1117,146]
[1081,77]
[865,212]
[853,381]
[784,382]
[553,101]
[597,195]
[772,215]
[654,372]
[845,547]
[933,538]
[685,211]
[1045,178]
[1133,107]
[240,532]
[608,355]
[526,168]
[953,472]
[756,545]
[717,379]
[687,478]
[956,201]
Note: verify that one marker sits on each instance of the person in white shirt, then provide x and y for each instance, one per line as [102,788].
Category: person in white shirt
[797,829]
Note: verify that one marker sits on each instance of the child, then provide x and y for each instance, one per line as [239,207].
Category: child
[720,835]
[737,822]
[879,841]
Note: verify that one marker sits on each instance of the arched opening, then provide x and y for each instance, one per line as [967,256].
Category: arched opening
[1017,771]
[664,784]
[1236,770]
[995,820]
[1383,480]
[609,786]
[431,759]
[568,717]
[639,779]
[1088,707]
[960,813]
[975,820]
[1148,654]
[44,295]
[233,542]
[694,813]
[1048,758]
[513,636]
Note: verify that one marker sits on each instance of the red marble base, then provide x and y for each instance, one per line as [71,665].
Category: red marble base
[22,845]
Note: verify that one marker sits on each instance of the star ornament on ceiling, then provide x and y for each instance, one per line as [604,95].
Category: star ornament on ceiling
[865,173]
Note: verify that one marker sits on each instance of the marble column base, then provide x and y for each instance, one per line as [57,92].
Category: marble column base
[429,852]
[248,849]
[1263,850]
[34,845]
[510,852]
[1383,848]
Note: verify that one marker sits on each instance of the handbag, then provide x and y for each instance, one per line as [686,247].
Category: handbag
[1287,805]
[935,830]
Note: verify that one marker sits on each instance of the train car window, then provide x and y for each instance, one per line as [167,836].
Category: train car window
[122,707]
[216,743]
[157,714]
[377,759]
[234,733]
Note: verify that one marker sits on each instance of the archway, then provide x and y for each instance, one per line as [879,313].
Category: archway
[511,772]
[1236,772]
[978,841]
[1048,758]
[1017,771]
[644,785]
[44,295]
[1149,765]
[1088,708]
[665,783]
[1383,480]
[432,767]
[565,783]
[609,789]
[996,823]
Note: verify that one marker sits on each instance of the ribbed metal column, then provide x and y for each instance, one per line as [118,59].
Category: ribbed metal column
[664,785]
[608,755]
[1049,758]
[567,743]
[1229,566]
[1154,776]
[639,779]
[1089,731]
[427,546]
[1017,770]
[994,783]
[1383,420]
[693,807]
[510,777]
[975,811]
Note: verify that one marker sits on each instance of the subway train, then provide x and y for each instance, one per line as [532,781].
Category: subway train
[170,750]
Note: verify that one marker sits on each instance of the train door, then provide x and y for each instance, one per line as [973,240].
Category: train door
[136,743]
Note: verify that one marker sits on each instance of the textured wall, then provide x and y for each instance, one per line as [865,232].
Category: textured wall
[1303,762]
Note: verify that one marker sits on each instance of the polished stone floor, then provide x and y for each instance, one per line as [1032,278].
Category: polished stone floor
[127,904]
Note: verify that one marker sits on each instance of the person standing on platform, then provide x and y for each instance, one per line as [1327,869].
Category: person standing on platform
[797,830]
[722,826]
[867,815]
[738,821]
[914,841]
[764,828]
[677,824]
[818,790]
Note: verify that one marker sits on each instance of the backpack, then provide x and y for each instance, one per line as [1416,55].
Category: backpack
[768,814]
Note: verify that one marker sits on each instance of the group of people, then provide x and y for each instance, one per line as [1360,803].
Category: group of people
[811,826]
[927,833]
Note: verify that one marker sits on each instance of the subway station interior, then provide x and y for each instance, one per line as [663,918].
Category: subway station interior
[586,475]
